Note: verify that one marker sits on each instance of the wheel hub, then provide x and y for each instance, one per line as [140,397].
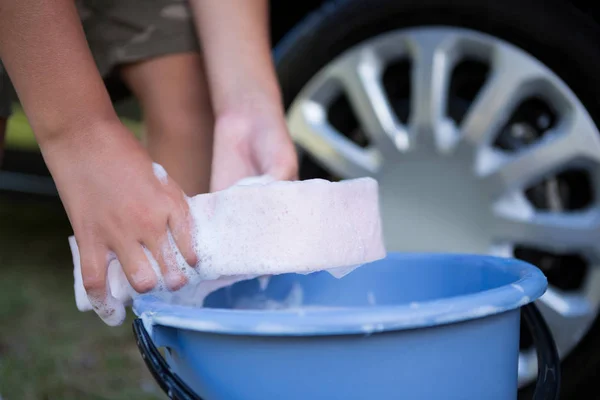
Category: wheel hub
[434,204]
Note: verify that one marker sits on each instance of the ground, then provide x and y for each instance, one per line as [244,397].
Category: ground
[48,349]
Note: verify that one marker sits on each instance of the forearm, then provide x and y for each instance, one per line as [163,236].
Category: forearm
[44,50]
[237,52]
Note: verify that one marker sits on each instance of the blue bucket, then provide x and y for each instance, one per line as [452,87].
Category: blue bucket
[411,326]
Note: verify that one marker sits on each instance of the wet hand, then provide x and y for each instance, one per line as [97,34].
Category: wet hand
[252,143]
[118,207]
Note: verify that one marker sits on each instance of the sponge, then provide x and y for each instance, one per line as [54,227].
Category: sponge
[260,227]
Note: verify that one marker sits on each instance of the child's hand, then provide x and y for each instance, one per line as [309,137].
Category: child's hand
[116,205]
[249,144]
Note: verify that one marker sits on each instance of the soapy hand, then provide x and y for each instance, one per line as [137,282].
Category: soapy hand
[119,206]
[252,143]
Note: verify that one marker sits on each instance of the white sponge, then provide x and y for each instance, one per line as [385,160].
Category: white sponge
[261,227]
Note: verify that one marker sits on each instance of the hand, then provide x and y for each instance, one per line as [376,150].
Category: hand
[118,206]
[252,143]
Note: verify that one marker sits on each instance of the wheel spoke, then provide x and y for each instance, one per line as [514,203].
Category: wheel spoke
[503,172]
[567,315]
[554,231]
[361,77]
[591,284]
[505,250]
[430,80]
[511,79]
[581,129]
[310,129]
[527,367]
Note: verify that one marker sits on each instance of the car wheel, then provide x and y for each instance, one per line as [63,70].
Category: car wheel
[479,119]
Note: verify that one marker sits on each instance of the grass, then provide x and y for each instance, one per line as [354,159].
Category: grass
[48,349]
[18,132]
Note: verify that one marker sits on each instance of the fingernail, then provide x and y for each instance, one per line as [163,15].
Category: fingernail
[175,281]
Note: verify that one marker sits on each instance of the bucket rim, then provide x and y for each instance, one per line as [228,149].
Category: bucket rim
[530,285]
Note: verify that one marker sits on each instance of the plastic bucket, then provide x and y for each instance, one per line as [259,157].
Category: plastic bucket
[410,326]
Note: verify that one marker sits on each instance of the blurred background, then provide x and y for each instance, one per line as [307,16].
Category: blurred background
[479,119]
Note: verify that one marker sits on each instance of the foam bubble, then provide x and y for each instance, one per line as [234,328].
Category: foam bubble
[109,309]
[293,300]
[160,173]
[371,298]
[263,281]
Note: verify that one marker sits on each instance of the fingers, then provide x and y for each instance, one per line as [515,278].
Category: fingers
[287,172]
[137,266]
[152,247]
[285,168]
[181,226]
[282,157]
[94,263]
[165,255]
[224,177]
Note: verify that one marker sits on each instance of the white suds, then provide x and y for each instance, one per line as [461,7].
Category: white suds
[293,300]
[263,281]
[371,298]
[518,287]
[160,173]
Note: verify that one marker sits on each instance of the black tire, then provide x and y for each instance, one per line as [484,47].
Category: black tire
[555,32]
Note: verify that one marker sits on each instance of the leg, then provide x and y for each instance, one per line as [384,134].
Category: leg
[154,47]
[178,116]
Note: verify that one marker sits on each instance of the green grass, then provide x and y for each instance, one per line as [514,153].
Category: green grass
[18,132]
[48,349]
[20,136]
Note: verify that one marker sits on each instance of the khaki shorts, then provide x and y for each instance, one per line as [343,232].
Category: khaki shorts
[125,31]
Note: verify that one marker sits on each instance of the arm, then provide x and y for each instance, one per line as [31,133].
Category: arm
[104,176]
[44,50]
[251,136]
[235,42]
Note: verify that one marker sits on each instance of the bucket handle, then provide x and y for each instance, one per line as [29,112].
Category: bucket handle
[168,380]
[546,388]
[548,379]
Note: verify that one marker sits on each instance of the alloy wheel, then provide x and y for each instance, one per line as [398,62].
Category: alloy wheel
[478,147]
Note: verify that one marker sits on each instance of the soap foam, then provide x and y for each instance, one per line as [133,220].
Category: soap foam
[258,227]
[160,173]
[263,281]
[293,300]
[371,298]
